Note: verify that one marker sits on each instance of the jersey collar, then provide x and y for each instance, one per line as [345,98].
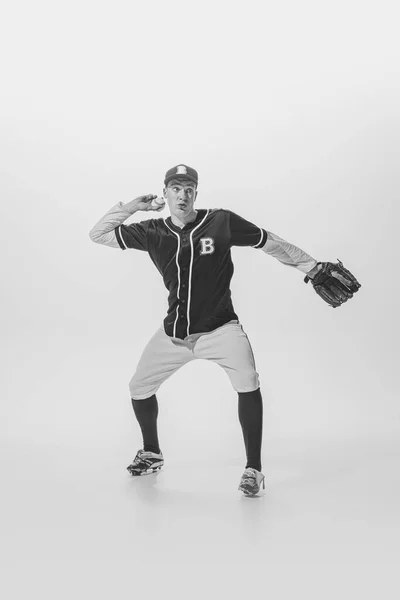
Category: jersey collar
[200,215]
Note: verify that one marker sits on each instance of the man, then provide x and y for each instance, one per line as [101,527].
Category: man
[192,251]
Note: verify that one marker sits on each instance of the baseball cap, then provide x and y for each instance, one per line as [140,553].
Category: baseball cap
[181,172]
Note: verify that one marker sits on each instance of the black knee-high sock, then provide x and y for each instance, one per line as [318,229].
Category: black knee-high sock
[146,412]
[251,420]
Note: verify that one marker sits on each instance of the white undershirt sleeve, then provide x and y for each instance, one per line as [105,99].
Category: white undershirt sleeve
[288,254]
[104,230]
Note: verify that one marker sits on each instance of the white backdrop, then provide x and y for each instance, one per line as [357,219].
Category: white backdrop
[290,113]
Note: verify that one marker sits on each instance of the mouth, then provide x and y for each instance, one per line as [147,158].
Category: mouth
[182,206]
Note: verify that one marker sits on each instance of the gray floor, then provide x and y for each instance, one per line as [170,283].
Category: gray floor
[76,525]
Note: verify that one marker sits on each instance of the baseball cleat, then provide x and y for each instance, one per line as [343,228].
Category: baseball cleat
[145,463]
[251,481]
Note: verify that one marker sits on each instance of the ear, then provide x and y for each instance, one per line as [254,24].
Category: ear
[165,192]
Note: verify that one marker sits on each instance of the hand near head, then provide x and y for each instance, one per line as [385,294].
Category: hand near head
[145,203]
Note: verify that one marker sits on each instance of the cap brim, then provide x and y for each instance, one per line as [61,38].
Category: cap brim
[180,178]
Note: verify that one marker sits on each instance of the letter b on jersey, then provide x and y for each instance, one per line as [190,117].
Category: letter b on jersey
[207,245]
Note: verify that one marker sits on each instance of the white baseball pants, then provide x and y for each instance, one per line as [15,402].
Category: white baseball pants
[228,346]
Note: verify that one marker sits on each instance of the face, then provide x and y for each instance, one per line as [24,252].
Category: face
[180,196]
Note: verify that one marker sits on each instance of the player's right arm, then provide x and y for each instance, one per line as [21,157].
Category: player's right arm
[110,231]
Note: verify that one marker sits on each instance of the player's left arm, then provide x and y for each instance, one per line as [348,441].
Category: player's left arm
[245,233]
[332,281]
[290,255]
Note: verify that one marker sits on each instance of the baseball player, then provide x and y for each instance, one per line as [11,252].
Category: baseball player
[192,251]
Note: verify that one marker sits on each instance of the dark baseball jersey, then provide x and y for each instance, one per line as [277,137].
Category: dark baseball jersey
[195,263]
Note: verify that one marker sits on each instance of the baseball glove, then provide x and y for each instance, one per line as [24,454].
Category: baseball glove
[334,283]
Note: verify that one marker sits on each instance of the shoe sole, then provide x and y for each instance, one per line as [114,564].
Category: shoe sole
[147,472]
[248,492]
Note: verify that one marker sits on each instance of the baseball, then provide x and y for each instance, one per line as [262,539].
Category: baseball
[158,203]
